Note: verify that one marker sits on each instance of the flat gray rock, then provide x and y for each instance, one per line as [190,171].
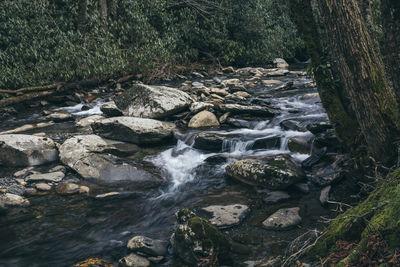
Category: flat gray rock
[283,219]
[134,130]
[227,216]
[12,200]
[55,177]
[26,150]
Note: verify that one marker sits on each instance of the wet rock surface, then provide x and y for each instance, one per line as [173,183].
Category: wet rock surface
[134,130]
[227,216]
[283,219]
[276,172]
[26,150]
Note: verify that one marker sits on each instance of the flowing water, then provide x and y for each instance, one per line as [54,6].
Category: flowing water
[59,231]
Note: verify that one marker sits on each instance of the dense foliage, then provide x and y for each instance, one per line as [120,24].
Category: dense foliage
[43,41]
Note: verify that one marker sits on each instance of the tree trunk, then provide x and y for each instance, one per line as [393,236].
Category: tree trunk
[362,73]
[82,16]
[103,9]
[391,29]
[344,123]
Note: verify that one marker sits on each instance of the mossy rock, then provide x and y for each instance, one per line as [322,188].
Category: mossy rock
[196,239]
[378,214]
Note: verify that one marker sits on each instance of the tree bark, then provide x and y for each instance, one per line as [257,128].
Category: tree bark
[391,29]
[344,122]
[362,72]
[103,9]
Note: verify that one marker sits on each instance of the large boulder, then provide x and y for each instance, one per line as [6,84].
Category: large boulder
[204,119]
[26,150]
[134,130]
[86,155]
[275,173]
[153,102]
[209,141]
[196,239]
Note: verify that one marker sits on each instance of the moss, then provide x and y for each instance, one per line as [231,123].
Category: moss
[380,212]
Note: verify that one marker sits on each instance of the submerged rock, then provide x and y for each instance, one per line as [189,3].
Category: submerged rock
[26,150]
[196,239]
[152,102]
[209,141]
[300,144]
[152,247]
[283,219]
[134,130]
[227,216]
[71,188]
[204,119]
[276,196]
[12,200]
[277,172]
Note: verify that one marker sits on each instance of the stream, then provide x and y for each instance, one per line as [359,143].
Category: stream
[57,230]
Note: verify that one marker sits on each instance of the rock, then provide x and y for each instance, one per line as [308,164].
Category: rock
[293,125]
[209,141]
[267,143]
[324,196]
[227,216]
[224,117]
[12,200]
[328,140]
[16,189]
[204,119]
[327,176]
[270,82]
[86,122]
[31,191]
[242,94]
[23,172]
[43,187]
[284,87]
[94,262]
[300,144]
[111,110]
[59,168]
[148,246]
[283,219]
[196,107]
[280,63]
[133,260]
[196,239]
[26,150]
[302,187]
[252,110]
[84,154]
[278,72]
[276,197]
[275,173]
[154,102]
[219,91]
[319,127]
[71,188]
[314,158]
[54,177]
[134,130]
[59,116]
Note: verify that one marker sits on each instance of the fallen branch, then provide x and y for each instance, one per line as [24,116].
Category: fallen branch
[29,89]
[51,90]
